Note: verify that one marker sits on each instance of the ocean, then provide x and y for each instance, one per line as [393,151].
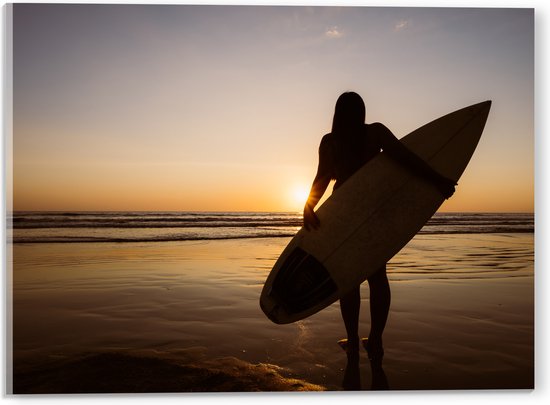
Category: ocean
[66,227]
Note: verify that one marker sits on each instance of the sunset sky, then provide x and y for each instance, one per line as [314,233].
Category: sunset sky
[216,108]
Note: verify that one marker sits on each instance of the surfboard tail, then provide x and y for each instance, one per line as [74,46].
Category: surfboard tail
[301,283]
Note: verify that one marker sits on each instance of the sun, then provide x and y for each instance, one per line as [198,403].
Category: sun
[299,196]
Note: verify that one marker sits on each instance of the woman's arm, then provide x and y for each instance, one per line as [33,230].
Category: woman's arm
[319,186]
[400,153]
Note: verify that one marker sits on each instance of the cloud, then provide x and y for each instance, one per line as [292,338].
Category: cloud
[401,25]
[334,33]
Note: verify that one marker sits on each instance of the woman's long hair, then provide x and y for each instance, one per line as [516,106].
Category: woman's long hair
[349,114]
[348,129]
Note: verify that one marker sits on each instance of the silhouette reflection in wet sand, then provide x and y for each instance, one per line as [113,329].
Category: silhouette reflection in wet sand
[349,146]
[352,374]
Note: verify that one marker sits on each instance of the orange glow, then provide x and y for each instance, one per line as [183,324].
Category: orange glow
[298,195]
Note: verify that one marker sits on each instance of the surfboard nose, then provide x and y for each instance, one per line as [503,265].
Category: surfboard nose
[479,109]
[482,108]
[486,105]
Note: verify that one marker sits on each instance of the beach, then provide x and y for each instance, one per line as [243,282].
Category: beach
[183,316]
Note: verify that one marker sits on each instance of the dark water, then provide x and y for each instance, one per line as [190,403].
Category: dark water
[42,227]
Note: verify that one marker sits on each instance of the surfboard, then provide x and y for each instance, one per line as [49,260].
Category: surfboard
[369,219]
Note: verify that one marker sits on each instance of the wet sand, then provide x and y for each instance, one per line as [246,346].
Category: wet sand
[184,317]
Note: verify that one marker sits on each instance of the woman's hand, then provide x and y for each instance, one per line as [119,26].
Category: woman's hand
[311,221]
[445,186]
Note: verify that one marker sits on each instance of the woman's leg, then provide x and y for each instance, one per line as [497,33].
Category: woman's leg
[349,306]
[380,298]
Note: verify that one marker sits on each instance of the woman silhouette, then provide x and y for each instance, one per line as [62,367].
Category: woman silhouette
[350,145]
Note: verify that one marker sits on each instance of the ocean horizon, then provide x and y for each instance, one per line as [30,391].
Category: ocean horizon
[170,226]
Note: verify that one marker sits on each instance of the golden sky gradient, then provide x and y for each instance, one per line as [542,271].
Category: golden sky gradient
[218,108]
